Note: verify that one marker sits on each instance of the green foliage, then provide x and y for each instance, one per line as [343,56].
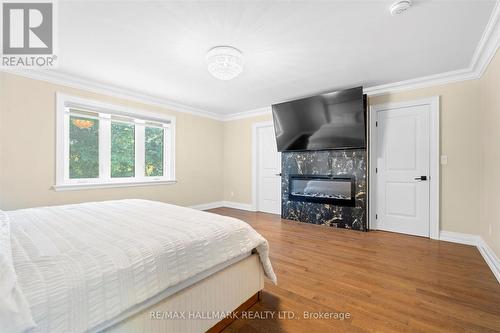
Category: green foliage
[83,147]
[154,151]
[122,150]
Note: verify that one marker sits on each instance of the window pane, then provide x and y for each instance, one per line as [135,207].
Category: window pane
[153,138]
[83,147]
[122,150]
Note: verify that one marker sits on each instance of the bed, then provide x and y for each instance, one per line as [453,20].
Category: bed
[135,265]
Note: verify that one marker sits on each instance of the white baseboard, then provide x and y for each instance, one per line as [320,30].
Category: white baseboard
[210,205]
[488,255]
[457,237]
[228,204]
[238,205]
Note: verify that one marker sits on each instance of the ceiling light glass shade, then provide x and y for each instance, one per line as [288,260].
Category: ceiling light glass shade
[225,62]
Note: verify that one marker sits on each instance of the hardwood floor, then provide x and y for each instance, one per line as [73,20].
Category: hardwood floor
[387,282]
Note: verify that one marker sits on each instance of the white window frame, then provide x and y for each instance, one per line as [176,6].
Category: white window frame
[64,183]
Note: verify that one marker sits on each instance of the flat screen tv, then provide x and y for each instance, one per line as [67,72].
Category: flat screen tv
[335,120]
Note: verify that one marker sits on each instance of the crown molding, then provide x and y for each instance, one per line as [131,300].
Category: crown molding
[109,90]
[421,82]
[483,54]
[488,44]
[248,114]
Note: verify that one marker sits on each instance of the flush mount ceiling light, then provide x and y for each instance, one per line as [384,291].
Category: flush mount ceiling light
[225,62]
[400,7]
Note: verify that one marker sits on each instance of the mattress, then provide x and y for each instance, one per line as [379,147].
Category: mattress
[83,267]
[167,292]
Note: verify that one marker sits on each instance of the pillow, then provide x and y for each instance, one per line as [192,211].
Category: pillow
[15,314]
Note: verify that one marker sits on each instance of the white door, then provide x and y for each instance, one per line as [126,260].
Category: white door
[403,170]
[268,170]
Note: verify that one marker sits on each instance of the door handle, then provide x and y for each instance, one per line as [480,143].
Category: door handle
[421,178]
[278,174]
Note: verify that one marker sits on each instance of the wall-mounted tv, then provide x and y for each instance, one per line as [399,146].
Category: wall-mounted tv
[335,120]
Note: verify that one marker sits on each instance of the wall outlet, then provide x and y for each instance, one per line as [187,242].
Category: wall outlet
[490,229]
[444,159]
[231,194]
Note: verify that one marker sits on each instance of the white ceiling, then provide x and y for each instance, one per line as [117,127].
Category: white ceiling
[291,49]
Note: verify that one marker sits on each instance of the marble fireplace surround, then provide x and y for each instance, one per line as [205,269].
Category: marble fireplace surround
[334,163]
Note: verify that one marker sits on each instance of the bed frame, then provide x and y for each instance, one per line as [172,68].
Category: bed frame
[234,288]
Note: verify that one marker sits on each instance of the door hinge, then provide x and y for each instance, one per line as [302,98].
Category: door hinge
[376,124]
[376,217]
[376,170]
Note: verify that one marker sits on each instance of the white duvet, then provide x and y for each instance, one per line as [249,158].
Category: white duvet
[85,264]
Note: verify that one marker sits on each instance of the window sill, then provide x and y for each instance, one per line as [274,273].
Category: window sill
[90,186]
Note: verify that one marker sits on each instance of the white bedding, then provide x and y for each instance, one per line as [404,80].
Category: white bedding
[82,265]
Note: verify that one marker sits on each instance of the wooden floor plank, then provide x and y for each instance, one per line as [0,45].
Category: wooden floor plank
[387,282]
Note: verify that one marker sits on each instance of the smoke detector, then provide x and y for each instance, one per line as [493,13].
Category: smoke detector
[400,7]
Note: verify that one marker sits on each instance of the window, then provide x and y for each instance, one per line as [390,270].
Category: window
[154,138]
[123,150]
[83,147]
[102,145]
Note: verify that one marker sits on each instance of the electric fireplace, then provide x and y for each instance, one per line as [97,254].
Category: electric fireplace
[334,190]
